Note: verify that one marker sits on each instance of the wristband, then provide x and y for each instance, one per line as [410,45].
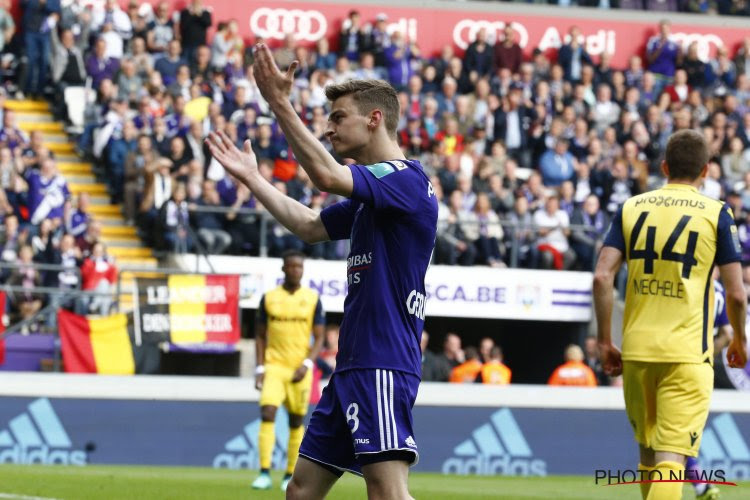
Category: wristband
[260,370]
[308,363]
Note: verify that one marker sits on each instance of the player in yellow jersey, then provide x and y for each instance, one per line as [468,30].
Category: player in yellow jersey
[286,317]
[671,238]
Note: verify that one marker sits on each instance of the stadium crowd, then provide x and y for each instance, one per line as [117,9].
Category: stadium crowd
[529,156]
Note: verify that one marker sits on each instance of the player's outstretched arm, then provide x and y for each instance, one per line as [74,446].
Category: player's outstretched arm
[299,219]
[324,171]
[610,260]
[736,297]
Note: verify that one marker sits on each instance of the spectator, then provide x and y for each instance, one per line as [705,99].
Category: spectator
[573,56]
[175,221]
[160,30]
[469,370]
[508,53]
[591,224]
[209,226]
[554,228]
[478,58]
[68,68]
[36,40]
[48,192]
[168,65]
[398,58]
[137,165]
[87,240]
[523,241]
[98,274]
[99,66]
[489,250]
[663,56]
[77,221]
[195,20]
[117,153]
[593,362]
[451,357]
[557,165]
[494,371]
[25,302]
[512,123]
[352,39]
[574,371]
[679,90]
[454,244]
[429,360]
[13,240]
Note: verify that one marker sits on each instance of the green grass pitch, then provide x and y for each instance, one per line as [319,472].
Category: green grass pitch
[23,482]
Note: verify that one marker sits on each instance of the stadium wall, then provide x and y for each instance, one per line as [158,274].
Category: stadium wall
[435,23]
[213,422]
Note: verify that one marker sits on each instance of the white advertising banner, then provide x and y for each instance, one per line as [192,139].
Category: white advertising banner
[454,292]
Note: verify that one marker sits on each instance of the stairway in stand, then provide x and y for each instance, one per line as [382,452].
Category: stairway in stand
[121,240]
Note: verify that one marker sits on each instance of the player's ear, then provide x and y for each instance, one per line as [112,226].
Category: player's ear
[704,172]
[376,116]
[665,169]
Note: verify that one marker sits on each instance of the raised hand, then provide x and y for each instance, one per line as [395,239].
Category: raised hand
[274,86]
[240,164]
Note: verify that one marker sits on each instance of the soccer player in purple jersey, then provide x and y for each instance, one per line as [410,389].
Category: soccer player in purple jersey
[363,422]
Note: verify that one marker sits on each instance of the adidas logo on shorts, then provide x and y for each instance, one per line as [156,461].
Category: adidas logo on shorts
[410,442]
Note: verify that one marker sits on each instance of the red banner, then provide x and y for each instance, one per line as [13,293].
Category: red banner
[433,28]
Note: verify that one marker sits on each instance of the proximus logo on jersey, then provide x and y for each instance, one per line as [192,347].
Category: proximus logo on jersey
[497,447]
[724,447]
[37,436]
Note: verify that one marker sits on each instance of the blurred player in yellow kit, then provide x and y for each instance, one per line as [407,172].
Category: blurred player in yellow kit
[671,238]
[286,317]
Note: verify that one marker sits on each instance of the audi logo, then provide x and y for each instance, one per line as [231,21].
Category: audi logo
[307,25]
[465,31]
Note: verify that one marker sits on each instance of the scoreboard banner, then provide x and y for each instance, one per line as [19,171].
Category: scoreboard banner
[460,292]
[188,310]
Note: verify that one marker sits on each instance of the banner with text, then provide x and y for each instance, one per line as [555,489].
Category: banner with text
[461,292]
[189,309]
[457,24]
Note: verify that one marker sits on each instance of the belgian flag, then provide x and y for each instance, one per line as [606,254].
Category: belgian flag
[96,344]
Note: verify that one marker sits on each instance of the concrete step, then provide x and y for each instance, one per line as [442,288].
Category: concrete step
[94,189]
[56,137]
[35,117]
[129,275]
[29,126]
[27,105]
[70,158]
[68,168]
[122,241]
[122,232]
[126,263]
[130,252]
[79,178]
[106,210]
[111,220]
[60,147]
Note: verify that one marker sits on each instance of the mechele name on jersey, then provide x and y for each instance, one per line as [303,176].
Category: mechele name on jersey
[355,264]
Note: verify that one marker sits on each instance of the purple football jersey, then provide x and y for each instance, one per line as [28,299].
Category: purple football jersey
[391,219]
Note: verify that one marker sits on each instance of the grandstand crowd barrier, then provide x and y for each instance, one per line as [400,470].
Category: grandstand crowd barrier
[474,429]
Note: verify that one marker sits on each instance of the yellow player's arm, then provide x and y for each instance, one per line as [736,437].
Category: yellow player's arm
[610,260]
[317,343]
[736,299]
[260,344]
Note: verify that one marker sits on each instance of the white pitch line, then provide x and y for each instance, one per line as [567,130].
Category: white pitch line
[13,496]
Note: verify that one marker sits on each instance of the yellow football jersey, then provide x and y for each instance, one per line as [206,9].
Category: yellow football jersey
[671,238]
[289,319]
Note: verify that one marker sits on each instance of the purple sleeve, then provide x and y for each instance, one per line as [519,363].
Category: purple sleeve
[386,186]
[338,219]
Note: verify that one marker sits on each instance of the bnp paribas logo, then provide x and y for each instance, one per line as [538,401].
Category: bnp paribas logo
[497,447]
[37,436]
[724,447]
